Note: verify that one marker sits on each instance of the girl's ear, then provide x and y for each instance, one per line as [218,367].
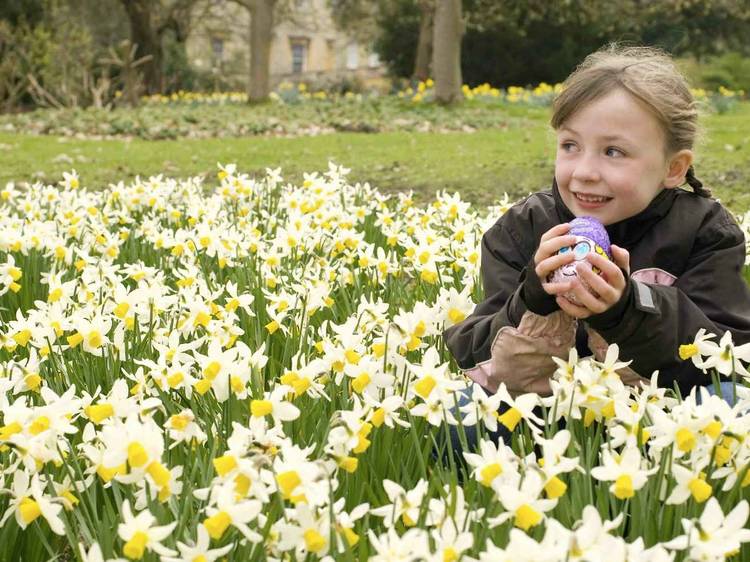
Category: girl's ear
[677,168]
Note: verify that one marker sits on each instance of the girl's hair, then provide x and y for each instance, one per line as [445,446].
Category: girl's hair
[648,74]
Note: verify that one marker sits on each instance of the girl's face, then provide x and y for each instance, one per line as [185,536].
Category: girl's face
[610,158]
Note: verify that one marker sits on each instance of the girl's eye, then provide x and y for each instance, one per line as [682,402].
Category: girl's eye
[567,146]
[614,152]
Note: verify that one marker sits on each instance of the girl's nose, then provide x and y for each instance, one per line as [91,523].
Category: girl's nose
[586,169]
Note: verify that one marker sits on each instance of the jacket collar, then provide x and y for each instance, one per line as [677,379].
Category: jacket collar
[627,232]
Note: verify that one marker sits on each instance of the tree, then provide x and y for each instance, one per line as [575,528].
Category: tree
[366,20]
[29,12]
[515,42]
[699,27]
[446,58]
[423,57]
[149,21]
[148,44]
[357,17]
[261,34]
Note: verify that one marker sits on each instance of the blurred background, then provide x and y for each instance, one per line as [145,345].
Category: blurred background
[411,94]
[75,52]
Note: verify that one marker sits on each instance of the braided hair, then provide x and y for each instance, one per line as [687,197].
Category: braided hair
[697,184]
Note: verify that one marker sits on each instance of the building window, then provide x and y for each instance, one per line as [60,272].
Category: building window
[352,56]
[299,55]
[217,48]
[373,60]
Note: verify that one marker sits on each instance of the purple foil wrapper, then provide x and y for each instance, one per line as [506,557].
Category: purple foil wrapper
[591,236]
[591,228]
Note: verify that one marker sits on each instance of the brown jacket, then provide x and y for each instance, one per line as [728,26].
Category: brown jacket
[686,257]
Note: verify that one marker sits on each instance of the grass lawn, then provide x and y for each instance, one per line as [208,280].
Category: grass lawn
[482,165]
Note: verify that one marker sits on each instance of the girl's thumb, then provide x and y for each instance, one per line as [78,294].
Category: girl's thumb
[621,257]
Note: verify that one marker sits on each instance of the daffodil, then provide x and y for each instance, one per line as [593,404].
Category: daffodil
[29,502]
[522,500]
[624,470]
[481,408]
[405,505]
[391,547]
[139,534]
[690,482]
[228,511]
[728,359]
[199,551]
[492,461]
[308,531]
[274,405]
[713,534]
[519,408]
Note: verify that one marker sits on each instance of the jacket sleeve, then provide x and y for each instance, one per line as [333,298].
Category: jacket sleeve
[652,321]
[504,341]
[502,264]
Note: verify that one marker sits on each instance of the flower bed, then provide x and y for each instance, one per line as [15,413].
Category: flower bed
[255,371]
[296,111]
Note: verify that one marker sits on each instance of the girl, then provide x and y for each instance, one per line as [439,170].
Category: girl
[626,124]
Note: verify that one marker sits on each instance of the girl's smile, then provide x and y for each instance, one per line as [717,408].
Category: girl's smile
[589,201]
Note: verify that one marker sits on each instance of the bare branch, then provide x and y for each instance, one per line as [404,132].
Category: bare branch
[38,92]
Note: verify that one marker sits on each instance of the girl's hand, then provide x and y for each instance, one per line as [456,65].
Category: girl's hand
[607,288]
[547,259]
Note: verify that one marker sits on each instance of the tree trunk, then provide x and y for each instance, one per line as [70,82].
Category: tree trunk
[261,35]
[446,56]
[424,44]
[147,40]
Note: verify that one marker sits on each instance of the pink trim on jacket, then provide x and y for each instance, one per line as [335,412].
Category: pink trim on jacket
[654,276]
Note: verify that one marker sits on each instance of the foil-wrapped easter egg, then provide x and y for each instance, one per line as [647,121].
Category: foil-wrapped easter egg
[591,236]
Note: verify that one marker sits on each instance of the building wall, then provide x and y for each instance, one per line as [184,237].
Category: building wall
[306,47]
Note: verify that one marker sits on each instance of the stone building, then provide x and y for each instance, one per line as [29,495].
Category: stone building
[306,46]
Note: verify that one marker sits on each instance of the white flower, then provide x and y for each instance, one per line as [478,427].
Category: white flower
[140,534]
[523,504]
[412,546]
[521,408]
[493,461]
[713,536]
[200,550]
[625,470]
[690,481]
[592,540]
[29,503]
[725,358]
[95,554]
[481,407]
[404,505]
[227,511]
[274,405]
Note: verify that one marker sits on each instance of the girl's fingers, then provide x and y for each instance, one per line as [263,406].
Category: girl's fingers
[555,231]
[550,247]
[621,257]
[550,264]
[605,291]
[572,309]
[588,300]
[611,271]
[557,288]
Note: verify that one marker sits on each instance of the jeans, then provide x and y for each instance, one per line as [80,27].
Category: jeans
[727,392]
[470,432]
